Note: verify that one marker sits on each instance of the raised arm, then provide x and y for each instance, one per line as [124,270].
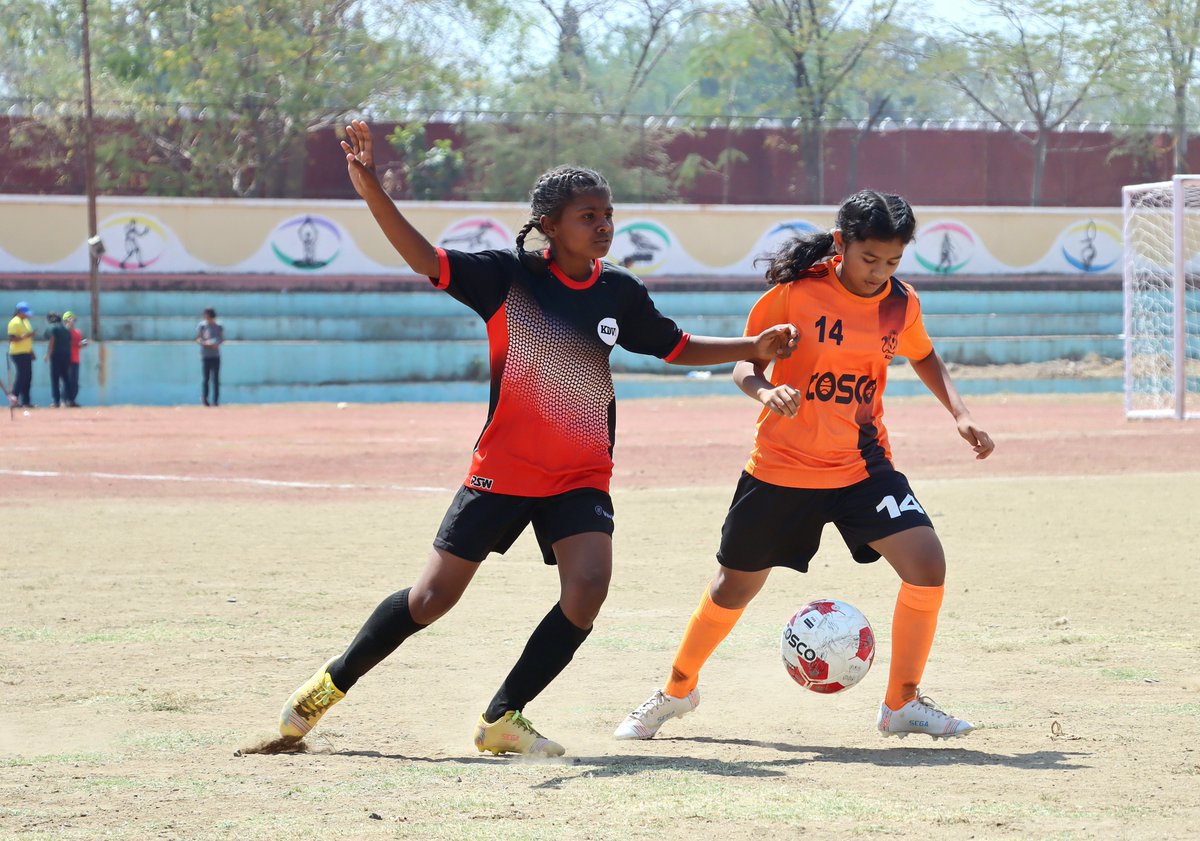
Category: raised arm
[776,342]
[932,371]
[417,251]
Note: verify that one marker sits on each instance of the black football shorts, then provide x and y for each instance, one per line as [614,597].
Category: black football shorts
[480,522]
[775,526]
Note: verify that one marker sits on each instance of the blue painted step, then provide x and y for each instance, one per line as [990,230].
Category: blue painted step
[232,305]
[181,393]
[293,363]
[470,327]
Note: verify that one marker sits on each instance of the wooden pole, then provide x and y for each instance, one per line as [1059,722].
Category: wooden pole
[95,247]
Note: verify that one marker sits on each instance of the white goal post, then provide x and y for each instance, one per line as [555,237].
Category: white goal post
[1162,298]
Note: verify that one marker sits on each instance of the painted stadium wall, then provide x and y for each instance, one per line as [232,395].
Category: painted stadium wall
[297,345]
[313,238]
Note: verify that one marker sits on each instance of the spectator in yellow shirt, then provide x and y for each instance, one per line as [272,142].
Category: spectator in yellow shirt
[20,351]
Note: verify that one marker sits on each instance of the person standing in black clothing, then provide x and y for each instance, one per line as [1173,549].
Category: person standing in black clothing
[58,355]
[210,336]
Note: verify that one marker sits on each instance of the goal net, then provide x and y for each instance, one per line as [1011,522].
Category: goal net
[1162,298]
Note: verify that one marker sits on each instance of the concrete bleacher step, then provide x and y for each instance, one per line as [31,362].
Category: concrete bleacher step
[627,387]
[457,327]
[468,326]
[233,305]
[968,325]
[150,371]
[1018,350]
[423,345]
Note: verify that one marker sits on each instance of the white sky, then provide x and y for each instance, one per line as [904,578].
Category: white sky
[961,12]
[952,11]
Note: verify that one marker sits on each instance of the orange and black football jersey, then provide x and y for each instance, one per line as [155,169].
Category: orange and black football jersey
[840,369]
[552,410]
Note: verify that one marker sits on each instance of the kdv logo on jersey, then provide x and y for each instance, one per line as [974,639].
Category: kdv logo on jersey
[848,388]
[607,330]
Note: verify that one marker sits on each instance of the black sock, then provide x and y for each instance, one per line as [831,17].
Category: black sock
[389,625]
[549,650]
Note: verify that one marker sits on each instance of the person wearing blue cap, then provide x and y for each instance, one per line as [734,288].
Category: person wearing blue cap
[20,351]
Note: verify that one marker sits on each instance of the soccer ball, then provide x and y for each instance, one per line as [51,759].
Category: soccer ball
[827,646]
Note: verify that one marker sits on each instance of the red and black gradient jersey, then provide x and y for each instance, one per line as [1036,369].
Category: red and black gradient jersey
[552,412]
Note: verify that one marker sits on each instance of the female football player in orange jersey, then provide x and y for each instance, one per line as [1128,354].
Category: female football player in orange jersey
[544,457]
[821,456]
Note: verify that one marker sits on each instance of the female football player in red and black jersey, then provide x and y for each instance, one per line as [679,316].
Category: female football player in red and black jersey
[545,454]
[821,455]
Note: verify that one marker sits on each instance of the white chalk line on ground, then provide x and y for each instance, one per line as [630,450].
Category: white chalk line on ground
[222,480]
[956,480]
[349,486]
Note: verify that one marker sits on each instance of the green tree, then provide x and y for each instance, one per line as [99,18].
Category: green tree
[694,165]
[39,50]
[218,97]
[568,21]
[893,82]
[647,32]
[804,64]
[429,172]
[735,76]
[1037,66]
[574,105]
[506,156]
[1168,33]
[823,43]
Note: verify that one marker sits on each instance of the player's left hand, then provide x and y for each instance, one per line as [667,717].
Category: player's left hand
[782,400]
[360,157]
[776,342]
[979,440]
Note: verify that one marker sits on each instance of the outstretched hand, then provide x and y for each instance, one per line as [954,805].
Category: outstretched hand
[979,440]
[360,157]
[776,342]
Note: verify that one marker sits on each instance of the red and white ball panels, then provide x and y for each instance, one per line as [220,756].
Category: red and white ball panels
[828,646]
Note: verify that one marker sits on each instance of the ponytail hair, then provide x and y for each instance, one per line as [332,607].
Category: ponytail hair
[521,234]
[865,215]
[550,194]
[798,255]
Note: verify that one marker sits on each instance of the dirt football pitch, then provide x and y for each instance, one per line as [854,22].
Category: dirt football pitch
[172,574]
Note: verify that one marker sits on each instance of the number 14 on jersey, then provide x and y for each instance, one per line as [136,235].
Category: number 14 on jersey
[835,332]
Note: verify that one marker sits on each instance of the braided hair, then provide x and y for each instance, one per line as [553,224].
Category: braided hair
[550,194]
[865,215]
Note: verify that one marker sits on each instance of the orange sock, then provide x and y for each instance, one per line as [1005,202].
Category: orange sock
[913,625]
[710,623]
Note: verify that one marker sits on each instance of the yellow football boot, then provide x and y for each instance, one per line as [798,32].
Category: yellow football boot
[308,703]
[513,733]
